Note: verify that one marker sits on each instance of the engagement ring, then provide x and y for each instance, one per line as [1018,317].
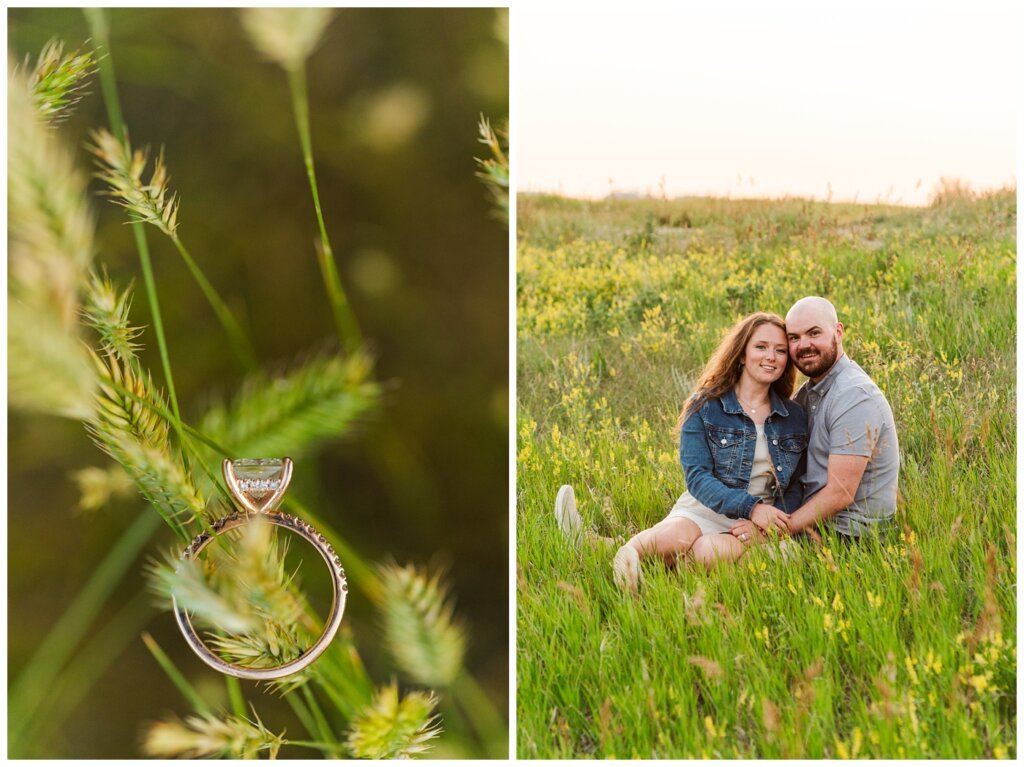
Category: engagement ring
[258,486]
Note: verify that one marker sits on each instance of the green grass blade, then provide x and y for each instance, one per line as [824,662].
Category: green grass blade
[345,320]
[240,344]
[29,690]
[235,696]
[94,660]
[187,690]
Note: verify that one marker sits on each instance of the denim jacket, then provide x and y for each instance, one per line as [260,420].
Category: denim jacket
[716,448]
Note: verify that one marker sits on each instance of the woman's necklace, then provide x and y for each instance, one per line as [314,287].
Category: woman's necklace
[752,408]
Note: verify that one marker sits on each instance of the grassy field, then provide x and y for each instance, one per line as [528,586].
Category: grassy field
[901,649]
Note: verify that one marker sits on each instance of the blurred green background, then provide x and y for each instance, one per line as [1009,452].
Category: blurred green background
[395,96]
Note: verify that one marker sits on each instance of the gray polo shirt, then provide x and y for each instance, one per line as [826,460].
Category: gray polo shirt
[847,414]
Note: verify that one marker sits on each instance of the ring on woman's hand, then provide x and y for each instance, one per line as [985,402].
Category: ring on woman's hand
[258,486]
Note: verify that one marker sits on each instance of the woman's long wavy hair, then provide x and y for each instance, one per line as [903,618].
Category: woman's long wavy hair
[723,369]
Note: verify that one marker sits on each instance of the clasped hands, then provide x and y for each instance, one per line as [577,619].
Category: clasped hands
[768,520]
[764,520]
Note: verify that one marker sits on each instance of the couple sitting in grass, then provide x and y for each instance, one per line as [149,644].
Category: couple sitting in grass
[759,465]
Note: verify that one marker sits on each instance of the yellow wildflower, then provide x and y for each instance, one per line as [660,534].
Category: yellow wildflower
[910,662]
[858,741]
[980,682]
[762,634]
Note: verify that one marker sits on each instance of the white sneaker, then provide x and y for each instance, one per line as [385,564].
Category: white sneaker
[569,520]
[626,569]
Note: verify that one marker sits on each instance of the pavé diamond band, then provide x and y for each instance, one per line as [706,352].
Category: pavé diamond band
[258,485]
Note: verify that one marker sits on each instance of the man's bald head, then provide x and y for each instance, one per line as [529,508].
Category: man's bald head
[815,336]
[816,309]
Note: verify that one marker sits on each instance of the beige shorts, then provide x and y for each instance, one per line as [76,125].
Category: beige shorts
[709,522]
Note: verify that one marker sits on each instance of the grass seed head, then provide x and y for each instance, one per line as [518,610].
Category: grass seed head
[206,735]
[769,716]
[57,81]
[128,424]
[121,169]
[50,248]
[96,486]
[577,594]
[291,412]
[286,36]
[711,669]
[393,727]
[494,170]
[106,311]
[419,630]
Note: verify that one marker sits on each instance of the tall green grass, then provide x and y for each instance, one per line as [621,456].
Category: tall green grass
[904,648]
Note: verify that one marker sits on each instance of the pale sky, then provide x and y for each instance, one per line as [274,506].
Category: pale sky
[766,99]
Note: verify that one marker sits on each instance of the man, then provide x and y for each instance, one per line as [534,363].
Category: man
[853,454]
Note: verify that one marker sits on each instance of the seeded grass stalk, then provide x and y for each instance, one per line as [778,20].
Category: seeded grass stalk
[394,727]
[137,439]
[287,36]
[152,202]
[100,32]
[419,630]
[899,649]
[208,735]
[295,410]
[51,249]
[428,644]
[98,487]
[494,170]
[58,81]
[344,318]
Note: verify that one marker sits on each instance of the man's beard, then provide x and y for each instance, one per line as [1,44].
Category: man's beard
[816,366]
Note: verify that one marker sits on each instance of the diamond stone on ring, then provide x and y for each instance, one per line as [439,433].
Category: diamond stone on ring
[258,486]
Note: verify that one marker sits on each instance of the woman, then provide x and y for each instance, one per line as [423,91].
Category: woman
[742,446]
